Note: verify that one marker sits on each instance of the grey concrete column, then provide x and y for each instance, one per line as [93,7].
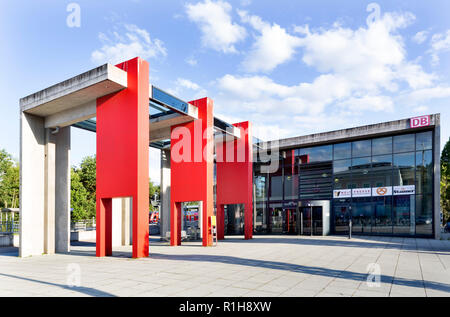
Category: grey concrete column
[32,191]
[126,216]
[49,188]
[437,177]
[62,190]
[117,222]
[164,215]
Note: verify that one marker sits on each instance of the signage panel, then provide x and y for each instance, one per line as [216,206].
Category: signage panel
[342,193]
[404,190]
[382,191]
[418,122]
[361,192]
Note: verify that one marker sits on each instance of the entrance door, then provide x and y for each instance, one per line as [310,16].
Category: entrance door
[234,219]
[290,224]
[314,218]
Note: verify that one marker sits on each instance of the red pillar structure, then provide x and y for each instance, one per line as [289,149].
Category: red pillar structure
[123,156]
[192,168]
[234,178]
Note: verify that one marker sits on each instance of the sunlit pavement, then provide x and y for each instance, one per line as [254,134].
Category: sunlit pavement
[265,266]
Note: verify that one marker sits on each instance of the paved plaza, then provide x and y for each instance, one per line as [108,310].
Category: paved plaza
[265,266]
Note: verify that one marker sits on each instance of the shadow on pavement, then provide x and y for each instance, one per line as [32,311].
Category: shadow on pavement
[83,290]
[318,271]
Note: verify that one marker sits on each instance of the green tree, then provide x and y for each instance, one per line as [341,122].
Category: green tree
[9,181]
[152,191]
[445,182]
[83,207]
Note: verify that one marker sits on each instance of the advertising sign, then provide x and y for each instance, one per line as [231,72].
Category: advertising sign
[404,190]
[361,192]
[423,121]
[382,191]
[342,193]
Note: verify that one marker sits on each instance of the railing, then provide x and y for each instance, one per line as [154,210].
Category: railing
[9,227]
[82,225]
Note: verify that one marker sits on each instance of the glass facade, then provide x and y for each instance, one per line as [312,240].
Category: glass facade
[384,184]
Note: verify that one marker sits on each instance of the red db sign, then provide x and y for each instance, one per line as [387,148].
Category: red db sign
[418,122]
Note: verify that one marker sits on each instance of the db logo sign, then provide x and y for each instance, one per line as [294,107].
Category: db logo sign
[418,122]
[382,191]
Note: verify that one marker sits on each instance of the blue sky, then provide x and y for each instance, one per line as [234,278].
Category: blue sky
[290,67]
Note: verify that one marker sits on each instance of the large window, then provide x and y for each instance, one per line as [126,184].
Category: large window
[382,170]
[382,146]
[361,148]
[316,154]
[424,172]
[290,182]
[404,143]
[342,174]
[342,151]
[388,182]
[404,164]
[404,215]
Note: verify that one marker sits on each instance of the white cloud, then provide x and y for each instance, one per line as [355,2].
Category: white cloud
[274,46]
[187,90]
[135,42]
[191,61]
[361,71]
[420,37]
[215,22]
[440,43]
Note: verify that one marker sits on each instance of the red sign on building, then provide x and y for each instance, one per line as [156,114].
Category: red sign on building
[423,121]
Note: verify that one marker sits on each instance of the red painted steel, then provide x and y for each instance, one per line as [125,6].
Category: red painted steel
[123,157]
[192,177]
[234,178]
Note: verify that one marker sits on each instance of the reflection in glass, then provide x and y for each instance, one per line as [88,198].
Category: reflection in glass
[362,213]
[361,148]
[424,141]
[424,215]
[404,169]
[291,182]
[260,224]
[316,154]
[382,170]
[424,172]
[404,215]
[342,174]
[341,215]
[404,143]
[342,151]
[383,215]
[361,172]
[276,185]
[382,146]
[276,219]
[234,219]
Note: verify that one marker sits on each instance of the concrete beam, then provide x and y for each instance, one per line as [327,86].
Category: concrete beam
[368,131]
[76,91]
[72,115]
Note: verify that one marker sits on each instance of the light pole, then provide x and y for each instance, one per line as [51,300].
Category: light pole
[350,224]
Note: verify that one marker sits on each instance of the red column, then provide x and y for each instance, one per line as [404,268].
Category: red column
[192,168]
[122,156]
[234,178]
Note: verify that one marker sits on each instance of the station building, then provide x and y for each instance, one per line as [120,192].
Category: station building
[384,177]
[381,178]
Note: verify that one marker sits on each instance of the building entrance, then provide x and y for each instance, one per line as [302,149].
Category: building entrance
[314,218]
[290,221]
